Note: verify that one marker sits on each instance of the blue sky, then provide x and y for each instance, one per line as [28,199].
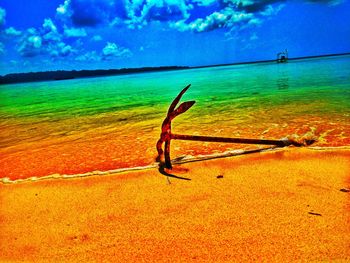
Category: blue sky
[41,35]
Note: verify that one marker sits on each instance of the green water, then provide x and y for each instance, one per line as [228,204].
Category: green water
[239,94]
[81,125]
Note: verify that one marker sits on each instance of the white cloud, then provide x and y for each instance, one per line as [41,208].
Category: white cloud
[204,2]
[45,41]
[272,10]
[52,36]
[88,13]
[113,50]
[11,31]
[2,48]
[133,13]
[116,22]
[32,30]
[75,32]
[89,56]
[329,2]
[64,8]
[110,51]
[2,16]
[179,14]
[60,49]
[96,38]
[244,2]
[254,37]
[65,50]
[141,12]
[227,18]
[49,31]
[35,40]
[49,25]
[30,45]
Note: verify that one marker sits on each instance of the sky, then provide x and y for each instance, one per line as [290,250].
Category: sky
[42,35]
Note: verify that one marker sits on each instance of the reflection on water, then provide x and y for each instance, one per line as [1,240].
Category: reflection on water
[282,83]
[282,77]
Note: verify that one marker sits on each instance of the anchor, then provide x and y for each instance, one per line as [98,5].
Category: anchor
[166,135]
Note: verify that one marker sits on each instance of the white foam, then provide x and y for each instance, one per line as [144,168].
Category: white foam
[178,160]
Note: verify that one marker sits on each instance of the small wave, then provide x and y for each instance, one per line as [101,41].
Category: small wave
[7,180]
[321,148]
[178,160]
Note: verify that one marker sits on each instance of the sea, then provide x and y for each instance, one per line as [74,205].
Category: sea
[78,126]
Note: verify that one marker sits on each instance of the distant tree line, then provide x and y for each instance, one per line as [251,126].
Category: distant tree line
[63,74]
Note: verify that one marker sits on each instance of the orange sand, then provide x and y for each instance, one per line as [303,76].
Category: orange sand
[258,211]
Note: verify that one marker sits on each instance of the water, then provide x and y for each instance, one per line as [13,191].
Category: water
[81,125]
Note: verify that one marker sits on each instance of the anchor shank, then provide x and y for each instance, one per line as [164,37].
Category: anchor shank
[167,154]
[281,143]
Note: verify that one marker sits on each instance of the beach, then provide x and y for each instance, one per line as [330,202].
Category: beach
[174,131]
[285,205]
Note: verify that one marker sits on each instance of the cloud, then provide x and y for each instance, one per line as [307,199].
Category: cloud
[75,32]
[35,41]
[46,40]
[96,38]
[133,13]
[89,56]
[11,31]
[141,13]
[88,13]
[49,42]
[49,25]
[179,14]
[60,49]
[63,10]
[183,15]
[204,2]
[2,16]
[30,46]
[2,48]
[161,10]
[227,18]
[109,52]
[113,50]
[49,31]
[250,6]
[329,2]
[253,37]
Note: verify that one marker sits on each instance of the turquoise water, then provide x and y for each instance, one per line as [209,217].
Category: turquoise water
[255,100]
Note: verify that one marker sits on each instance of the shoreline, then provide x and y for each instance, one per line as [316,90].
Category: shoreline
[178,160]
[276,206]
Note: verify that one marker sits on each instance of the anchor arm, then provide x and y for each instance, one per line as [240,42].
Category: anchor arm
[185,106]
[177,99]
[165,136]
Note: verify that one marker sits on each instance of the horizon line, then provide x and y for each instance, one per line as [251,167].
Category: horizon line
[180,66]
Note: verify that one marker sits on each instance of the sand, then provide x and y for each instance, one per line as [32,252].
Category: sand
[283,206]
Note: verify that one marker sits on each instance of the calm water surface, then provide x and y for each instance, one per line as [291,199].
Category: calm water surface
[82,125]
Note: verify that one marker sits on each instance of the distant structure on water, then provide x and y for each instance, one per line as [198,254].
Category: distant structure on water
[282,56]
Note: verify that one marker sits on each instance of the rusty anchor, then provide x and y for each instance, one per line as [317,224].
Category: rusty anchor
[166,135]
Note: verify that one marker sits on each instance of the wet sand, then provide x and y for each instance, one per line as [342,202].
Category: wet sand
[283,206]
